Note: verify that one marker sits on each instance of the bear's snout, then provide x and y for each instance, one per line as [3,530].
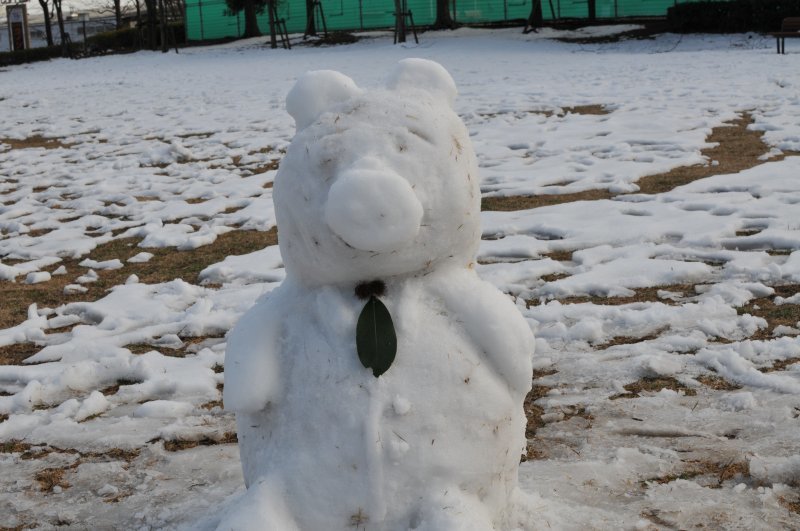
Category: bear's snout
[373,209]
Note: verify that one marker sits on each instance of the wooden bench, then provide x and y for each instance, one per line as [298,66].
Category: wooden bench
[790,28]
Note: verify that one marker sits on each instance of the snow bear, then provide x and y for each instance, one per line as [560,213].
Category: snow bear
[379,189]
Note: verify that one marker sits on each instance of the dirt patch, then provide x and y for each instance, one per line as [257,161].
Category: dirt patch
[774,314]
[717,383]
[552,277]
[167,264]
[707,473]
[629,340]
[559,256]
[16,354]
[649,31]
[228,437]
[586,110]
[518,202]
[113,389]
[188,343]
[213,405]
[640,295]
[790,505]
[35,141]
[534,412]
[739,148]
[653,385]
[50,478]
[780,365]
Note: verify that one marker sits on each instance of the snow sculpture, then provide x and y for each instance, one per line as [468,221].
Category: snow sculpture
[379,187]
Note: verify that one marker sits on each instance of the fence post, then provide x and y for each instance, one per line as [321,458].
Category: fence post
[202,28]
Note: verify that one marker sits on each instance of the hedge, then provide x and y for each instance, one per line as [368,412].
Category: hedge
[30,55]
[731,17]
[122,39]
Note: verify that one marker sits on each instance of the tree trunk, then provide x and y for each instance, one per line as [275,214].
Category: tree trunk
[536,19]
[152,24]
[250,20]
[444,19]
[162,26]
[118,13]
[400,20]
[273,40]
[592,10]
[66,51]
[311,25]
[47,29]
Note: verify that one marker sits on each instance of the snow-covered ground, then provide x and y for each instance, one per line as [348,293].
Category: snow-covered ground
[176,150]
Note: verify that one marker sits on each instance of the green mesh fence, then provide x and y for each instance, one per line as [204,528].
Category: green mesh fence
[210,19]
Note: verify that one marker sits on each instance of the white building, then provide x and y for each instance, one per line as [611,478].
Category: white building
[72,25]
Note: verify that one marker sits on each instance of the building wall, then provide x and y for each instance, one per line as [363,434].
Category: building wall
[208,19]
[72,26]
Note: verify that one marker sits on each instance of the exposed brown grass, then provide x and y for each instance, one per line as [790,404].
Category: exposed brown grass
[16,354]
[178,445]
[780,365]
[629,340]
[738,149]
[790,505]
[654,385]
[534,412]
[553,277]
[113,389]
[775,315]
[717,383]
[14,447]
[167,264]
[559,256]
[716,473]
[519,202]
[591,110]
[49,478]
[640,295]
[35,141]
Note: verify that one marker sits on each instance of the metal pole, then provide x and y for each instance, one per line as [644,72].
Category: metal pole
[202,25]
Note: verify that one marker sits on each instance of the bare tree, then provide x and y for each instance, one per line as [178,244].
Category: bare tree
[400,21]
[535,18]
[311,26]
[444,18]
[66,48]
[47,28]
[118,7]
[251,9]
[152,23]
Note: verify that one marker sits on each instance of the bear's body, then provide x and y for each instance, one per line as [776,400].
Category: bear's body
[379,186]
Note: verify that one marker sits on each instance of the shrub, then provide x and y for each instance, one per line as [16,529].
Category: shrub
[731,16]
[121,39]
[30,55]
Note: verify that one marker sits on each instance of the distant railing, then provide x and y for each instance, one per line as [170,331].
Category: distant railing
[210,19]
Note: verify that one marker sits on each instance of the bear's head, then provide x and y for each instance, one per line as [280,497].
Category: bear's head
[376,184]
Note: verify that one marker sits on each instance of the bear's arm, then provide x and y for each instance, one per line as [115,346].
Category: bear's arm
[252,356]
[493,323]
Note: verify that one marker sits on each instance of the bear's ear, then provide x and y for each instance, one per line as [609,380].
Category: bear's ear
[316,92]
[422,74]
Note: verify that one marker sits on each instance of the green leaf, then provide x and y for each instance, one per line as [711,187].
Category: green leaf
[376,340]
